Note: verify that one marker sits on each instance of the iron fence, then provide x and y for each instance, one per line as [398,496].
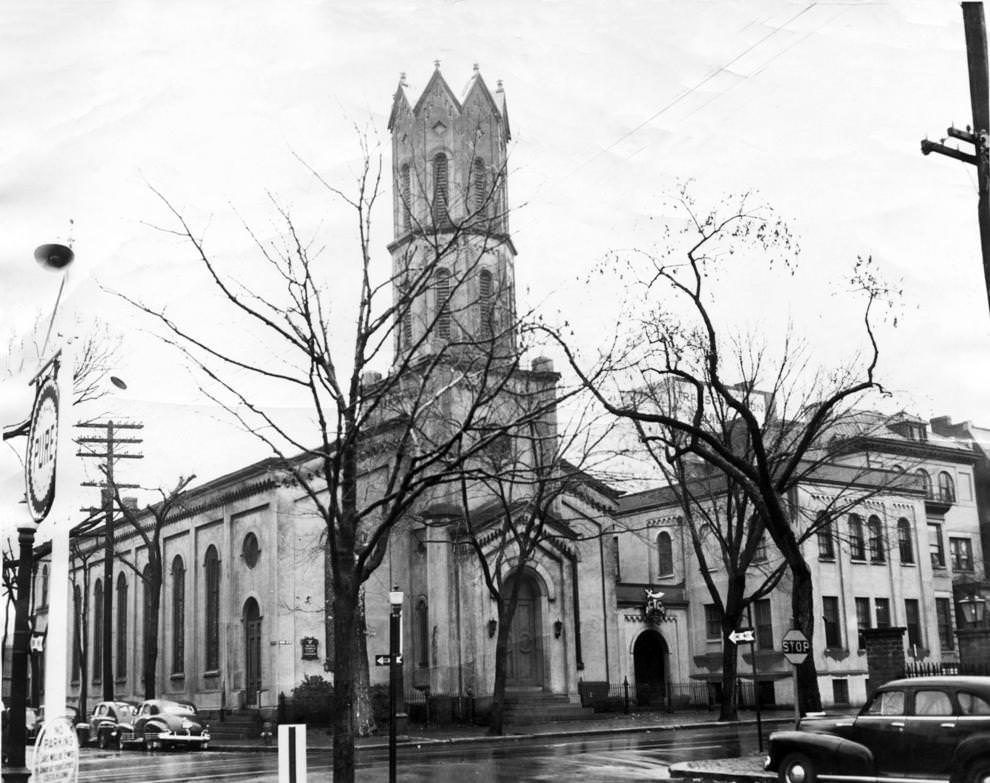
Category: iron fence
[929,668]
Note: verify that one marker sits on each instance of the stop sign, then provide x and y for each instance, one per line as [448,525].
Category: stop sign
[795,646]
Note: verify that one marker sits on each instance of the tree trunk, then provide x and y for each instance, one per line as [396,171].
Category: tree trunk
[729,709]
[802,605]
[150,668]
[497,723]
[364,716]
[345,619]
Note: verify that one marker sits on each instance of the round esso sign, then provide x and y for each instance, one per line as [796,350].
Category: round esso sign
[41,450]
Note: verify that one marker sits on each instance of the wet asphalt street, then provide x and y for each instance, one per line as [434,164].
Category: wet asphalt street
[608,757]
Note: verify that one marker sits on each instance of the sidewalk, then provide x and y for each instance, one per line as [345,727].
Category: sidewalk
[608,723]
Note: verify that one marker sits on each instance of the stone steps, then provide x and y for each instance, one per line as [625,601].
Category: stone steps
[530,708]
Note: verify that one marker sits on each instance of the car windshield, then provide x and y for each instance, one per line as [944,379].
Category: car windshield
[176,708]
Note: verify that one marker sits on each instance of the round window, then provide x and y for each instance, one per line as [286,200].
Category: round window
[251,550]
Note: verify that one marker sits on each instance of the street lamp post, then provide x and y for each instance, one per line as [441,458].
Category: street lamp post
[16,771]
[395,672]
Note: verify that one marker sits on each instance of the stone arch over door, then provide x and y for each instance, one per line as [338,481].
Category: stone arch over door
[251,617]
[650,658]
[525,654]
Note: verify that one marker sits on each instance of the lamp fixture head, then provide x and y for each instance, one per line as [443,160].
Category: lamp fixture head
[54,256]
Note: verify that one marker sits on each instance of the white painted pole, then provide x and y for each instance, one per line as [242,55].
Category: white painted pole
[292,753]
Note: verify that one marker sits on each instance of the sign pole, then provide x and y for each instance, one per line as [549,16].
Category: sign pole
[797,701]
[756,679]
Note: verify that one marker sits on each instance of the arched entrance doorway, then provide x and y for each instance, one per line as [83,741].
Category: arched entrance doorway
[524,661]
[252,651]
[649,664]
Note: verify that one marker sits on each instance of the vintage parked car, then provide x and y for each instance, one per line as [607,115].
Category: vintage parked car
[161,723]
[102,727]
[930,727]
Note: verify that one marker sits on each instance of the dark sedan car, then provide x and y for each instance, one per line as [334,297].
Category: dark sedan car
[161,723]
[936,728]
[103,723]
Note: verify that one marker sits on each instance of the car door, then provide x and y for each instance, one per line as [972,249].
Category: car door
[880,727]
[930,731]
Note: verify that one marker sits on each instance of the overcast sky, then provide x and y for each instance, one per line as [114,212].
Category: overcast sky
[818,106]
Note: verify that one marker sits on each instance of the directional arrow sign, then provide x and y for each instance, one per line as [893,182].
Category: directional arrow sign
[386,660]
[795,646]
[742,635]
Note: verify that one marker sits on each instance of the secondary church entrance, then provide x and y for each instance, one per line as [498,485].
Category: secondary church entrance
[524,665]
[649,660]
[252,651]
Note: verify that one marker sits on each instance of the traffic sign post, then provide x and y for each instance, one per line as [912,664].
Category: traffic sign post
[796,647]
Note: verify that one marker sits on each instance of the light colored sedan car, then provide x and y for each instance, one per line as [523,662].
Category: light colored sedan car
[162,723]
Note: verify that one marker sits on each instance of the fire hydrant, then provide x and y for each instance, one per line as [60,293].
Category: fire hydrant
[266,732]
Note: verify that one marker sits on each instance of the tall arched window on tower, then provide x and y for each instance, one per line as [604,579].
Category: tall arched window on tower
[121,662]
[441,191]
[212,573]
[77,642]
[665,555]
[480,197]
[178,615]
[441,287]
[97,631]
[485,302]
[405,193]
[403,306]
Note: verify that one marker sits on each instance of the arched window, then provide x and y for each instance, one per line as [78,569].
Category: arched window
[212,573]
[926,482]
[480,197]
[441,286]
[97,630]
[665,555]
[904,540]
[485,302]
[77,641]
[178,615]
[121,641]
[875,527]
[857,545]
[422,634]
[405,193]
[441,191]
[946,488]
[826,536]
[44,585]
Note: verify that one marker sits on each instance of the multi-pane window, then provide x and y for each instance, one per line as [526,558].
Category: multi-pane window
[943,615]
[857,544]
[912,619]
[862,619]
[212,616]
[876,540]
[935,545]
[961,552]
[665,554]
[926,482]
[713,622]
[98,631]
[441,288]
[830,616]
[946,488]
[883,612]
[441,191]
[826,537]
[763,619]
[121,660]
[178,615]
[840,691]
[904,541]
[485,302]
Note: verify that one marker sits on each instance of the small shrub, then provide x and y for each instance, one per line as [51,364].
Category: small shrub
[313,700]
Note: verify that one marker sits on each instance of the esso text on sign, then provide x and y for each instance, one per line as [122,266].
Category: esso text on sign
[42,450]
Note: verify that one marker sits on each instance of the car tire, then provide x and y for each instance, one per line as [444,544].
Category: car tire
[797,768]
[978,771]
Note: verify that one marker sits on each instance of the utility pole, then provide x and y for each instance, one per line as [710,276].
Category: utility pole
[108,440]
[977,135]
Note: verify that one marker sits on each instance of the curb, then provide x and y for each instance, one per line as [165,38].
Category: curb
[408,740]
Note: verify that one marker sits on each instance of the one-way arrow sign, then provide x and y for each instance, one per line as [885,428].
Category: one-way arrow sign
[385,660]
[742,635]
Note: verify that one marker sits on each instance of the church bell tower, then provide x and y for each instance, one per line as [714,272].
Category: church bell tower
[452,257]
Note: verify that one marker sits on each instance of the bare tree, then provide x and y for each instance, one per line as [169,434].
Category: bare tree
[381,445]
[679,374]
